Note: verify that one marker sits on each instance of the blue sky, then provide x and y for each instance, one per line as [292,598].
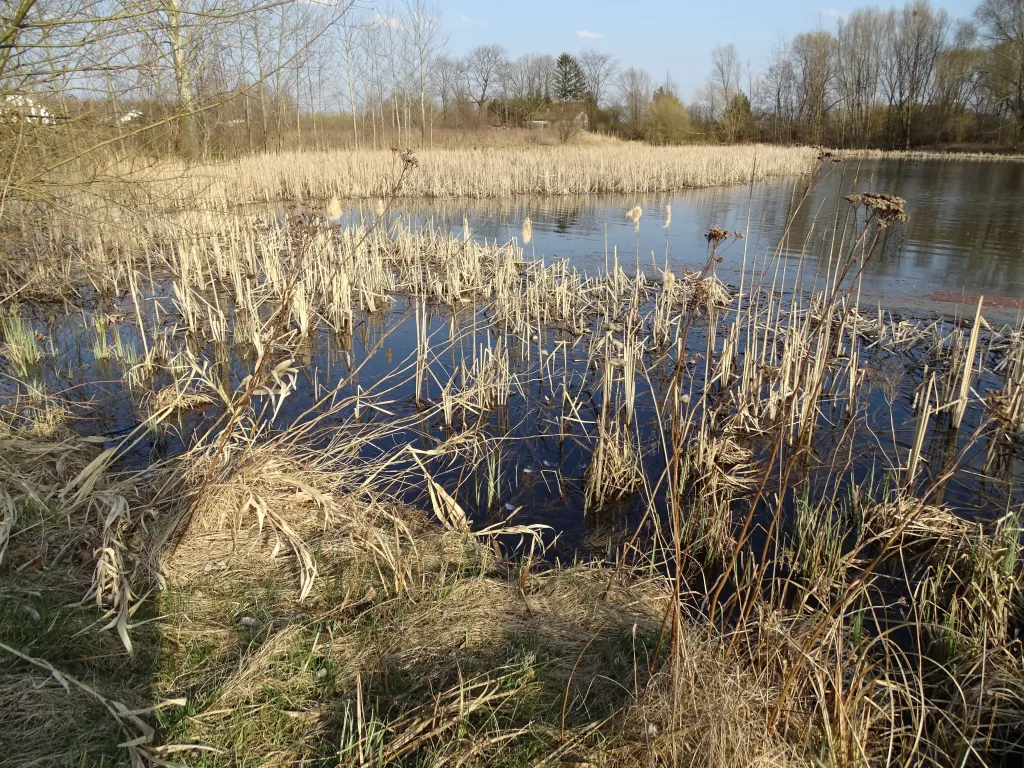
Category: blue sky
[658,35]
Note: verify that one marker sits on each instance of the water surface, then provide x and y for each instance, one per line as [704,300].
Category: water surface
[965,236]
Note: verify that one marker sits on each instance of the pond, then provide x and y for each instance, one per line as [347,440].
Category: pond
[404,371]
[964,239]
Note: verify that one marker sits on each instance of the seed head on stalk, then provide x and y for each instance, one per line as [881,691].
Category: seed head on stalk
[635,215]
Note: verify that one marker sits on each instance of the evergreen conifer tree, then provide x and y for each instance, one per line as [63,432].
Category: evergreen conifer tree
[570,83]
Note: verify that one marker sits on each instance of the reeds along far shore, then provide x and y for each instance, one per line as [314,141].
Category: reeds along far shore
[928,154]
[466,173]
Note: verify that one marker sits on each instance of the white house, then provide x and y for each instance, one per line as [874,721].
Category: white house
[129,117]
[16,107]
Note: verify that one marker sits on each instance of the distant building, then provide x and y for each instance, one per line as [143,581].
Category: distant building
[559,112]
[129,117]
[16,108]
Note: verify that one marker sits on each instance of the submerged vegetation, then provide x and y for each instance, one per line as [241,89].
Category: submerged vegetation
[286,492]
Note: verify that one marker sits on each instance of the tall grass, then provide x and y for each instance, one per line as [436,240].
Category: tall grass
[20,347]
[494,172]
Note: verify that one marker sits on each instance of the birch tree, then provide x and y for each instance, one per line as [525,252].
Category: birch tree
[429,40]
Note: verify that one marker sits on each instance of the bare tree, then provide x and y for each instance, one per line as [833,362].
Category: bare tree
[915,35]
[860,47]
[484,67]
[390,57]
[775,92]
[350,47]
[724,80]
[516,76]
[957,71]
[375,75]
[814,61]
[449,78]
[542,74]
[184,34]
[1001,24]
[635,88]
[599,69]
[528,76]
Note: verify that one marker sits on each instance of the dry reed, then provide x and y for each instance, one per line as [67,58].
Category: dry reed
[503,172]
[307,613]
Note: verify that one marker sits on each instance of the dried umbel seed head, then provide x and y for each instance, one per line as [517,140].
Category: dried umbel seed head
[407,157]
[716,235]
[881,206]
[527,231]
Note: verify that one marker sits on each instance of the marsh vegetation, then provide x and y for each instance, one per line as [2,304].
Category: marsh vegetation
[278,490]
[291,474]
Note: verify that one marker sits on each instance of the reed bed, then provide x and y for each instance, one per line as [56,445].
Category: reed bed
[494,172]
[342,565]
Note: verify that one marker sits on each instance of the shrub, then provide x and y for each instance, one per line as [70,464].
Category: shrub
[667,122]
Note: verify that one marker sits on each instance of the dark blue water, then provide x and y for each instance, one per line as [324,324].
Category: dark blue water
[528,458]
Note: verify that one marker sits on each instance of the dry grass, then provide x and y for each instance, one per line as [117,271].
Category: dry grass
[419,645]
[45,725]
[270,578]
[74,664]
[615,471]
[623,168]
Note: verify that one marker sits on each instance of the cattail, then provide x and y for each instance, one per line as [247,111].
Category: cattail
[334,209]
[380,207]
[668,215]
[527,231]
[635,215]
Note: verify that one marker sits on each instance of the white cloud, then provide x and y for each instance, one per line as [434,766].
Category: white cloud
[835,13]
[586,34]
[463,21]
[386,20]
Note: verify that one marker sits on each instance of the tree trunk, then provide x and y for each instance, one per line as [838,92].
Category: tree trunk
[351,88]
[176,39]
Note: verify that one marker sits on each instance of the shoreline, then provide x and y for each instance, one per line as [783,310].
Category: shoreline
[929,154]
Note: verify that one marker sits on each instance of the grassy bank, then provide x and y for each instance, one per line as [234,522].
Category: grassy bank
[422,644]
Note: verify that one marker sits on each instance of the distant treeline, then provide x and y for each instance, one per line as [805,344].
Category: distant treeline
[199,78]
[894,78]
